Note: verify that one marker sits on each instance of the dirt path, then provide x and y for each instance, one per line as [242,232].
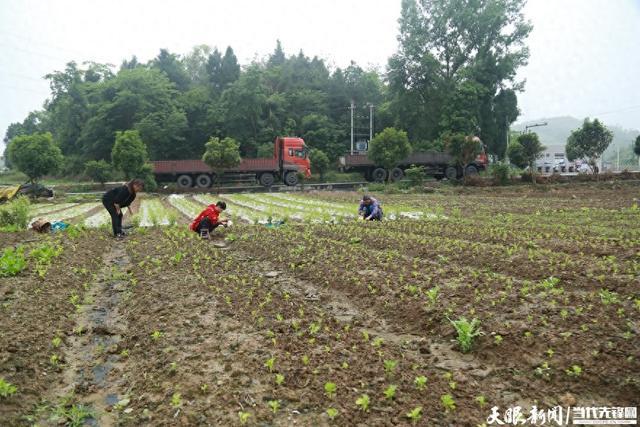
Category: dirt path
[93,360]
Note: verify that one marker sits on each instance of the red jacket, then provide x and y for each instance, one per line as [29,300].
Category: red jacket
[210,212]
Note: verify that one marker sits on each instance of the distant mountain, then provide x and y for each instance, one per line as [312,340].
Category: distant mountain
[558,130]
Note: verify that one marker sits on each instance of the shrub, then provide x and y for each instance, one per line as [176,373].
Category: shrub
[15,214]
[501,173]
[416,175]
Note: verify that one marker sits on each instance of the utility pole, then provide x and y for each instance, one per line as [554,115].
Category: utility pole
[353,106]
[370,122]
[506,149]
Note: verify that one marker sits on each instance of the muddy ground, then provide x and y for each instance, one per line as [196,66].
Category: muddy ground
[163,328]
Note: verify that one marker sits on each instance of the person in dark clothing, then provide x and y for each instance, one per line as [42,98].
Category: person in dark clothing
[120,197]
[370,209]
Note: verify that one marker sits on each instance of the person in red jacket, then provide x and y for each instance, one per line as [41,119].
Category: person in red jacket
[208,220]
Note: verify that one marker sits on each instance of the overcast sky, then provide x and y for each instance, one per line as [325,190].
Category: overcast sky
[585,54]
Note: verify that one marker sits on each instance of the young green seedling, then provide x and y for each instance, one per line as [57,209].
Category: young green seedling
[448,402]
[415,414]
[244,417]
[6,388]
[330,390]
[390,392]
[363,402]
[420,382]
[332,413]
[274,405]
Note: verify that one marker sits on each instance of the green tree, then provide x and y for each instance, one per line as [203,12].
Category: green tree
[589,142]
[463,149]
[129,153]
[146,175]
[98,170]
[319,162]
[171,66]
[265,150]
[388,148]
[515,151]
[531,150]
[135,96]
[636,146]
[35,155]
[221,153]
[455,58]
[243,103]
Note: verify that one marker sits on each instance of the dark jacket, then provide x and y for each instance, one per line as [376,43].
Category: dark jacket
[120,196]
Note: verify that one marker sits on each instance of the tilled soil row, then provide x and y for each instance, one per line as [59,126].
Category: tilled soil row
[38,320]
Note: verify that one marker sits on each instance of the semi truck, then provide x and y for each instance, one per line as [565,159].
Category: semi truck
[290,157]
[436,164]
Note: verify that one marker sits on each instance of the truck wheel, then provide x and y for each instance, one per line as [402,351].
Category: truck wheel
[396,174]
[267,179]
[203,180]
[471,170]
[451,172]
[379,175]
[291,178]
[185,181]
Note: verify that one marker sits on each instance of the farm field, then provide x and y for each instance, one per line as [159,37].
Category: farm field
[325,320]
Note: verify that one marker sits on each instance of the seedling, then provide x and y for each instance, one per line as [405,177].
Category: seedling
[156,335]
[432,294]
[390,366]
[279,379]
[330,390]
[72,415]
[12,262]
[415,414]
[56,342]
[363,402]
[574,371]
[377,342]
[7,389]
[244,417]
[420,382]
[54,359]
[305,360]
[448,402]
[274,405]
[332,413]
[390,392]
[270,363]
[482,401]
[467,332]
[497,339]
[176,400]
[607,297]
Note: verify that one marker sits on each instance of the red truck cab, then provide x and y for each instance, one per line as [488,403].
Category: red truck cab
[292,150]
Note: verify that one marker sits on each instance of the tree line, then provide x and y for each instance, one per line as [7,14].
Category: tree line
[454,73]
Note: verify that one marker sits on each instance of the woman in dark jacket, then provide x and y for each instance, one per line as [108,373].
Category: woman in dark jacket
[120,197]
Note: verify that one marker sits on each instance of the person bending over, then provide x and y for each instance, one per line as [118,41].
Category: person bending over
[120,197]
[208,219]
[370,209]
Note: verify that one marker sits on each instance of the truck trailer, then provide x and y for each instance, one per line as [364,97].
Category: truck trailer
[290,157]
[437,164]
